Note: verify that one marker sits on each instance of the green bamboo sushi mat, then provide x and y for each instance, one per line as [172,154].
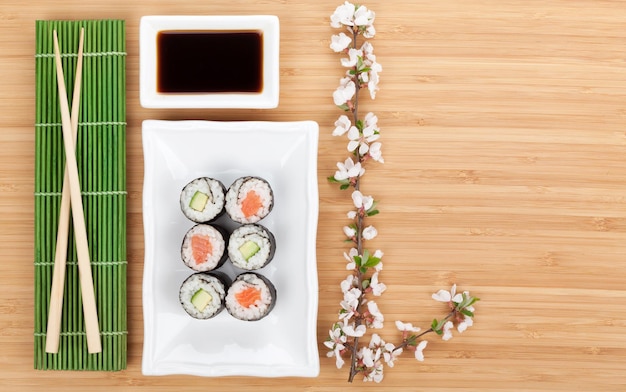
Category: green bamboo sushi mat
[101,158]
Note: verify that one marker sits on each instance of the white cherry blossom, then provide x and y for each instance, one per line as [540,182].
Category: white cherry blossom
[355,138]
[447,330]
[347,283]
[377,287]
[370,120]
[342,125]
[367,355]
[339,42]
[406,327]
[350,330]
[336,343]
[348,169]
[339,362]
[390,354]
[378,317]
[350,258]
[372,84]
[463,325]
[344,92]
[447,296]
[368,52]
[353,58]
[363,16]
[360,140]
[362,202]
[375,153]
[343,15]
[350,303]
[349,231]
[369,233]
[419,350]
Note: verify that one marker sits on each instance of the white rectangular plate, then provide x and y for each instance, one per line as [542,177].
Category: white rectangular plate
[285,342]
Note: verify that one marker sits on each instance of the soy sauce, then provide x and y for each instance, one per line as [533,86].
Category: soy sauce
[209,62]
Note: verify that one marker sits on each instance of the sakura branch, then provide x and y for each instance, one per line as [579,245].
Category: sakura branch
[358,311]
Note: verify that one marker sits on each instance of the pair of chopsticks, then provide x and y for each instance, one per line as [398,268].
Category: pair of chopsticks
[71,197]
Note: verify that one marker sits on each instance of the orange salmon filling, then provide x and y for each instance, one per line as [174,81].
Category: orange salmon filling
[251,204]
[201,247]
[248,297]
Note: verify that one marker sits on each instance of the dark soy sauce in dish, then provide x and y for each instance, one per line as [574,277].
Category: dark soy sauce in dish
[209,61]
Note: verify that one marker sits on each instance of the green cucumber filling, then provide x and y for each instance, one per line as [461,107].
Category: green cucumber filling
[201,299]
[198,201]
[249,249]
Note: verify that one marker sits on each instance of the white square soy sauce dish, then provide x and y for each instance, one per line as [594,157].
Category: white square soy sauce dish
[283,344]
[190,61]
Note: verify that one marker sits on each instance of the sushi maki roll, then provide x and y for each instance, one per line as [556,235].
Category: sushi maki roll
[249,199]
[202,200]
[204,247]
[251,297]
[202,294]
[251,246]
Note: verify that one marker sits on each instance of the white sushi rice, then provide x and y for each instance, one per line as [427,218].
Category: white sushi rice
[217,244]
[212,285]
[209,186]
[255,312]
[238,191]
[243,234]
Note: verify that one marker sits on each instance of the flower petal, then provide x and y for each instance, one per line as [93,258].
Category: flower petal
[442,296]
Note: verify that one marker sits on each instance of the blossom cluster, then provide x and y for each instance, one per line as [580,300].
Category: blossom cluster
[358,311]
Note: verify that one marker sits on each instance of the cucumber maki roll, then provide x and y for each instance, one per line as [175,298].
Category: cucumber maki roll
[202,200]
[202,294]
[251,246]
[204,247]
[251,297]
[249,199]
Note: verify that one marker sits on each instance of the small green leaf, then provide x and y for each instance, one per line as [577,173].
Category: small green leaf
[373,212]
[344,107]
[363,270]
[467,313]
[332,179]
[359,125]
[357,260]
[359,63]
[344,186]
[372,262]
[365,284]
[436,326]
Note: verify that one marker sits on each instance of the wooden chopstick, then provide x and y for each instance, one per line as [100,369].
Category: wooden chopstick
[60,256]
[84,265]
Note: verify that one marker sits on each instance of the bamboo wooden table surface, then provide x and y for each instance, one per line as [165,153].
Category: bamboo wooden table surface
[503,130]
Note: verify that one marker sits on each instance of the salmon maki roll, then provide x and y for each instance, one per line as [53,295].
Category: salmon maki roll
[251,297]
[249,199]
[204,247]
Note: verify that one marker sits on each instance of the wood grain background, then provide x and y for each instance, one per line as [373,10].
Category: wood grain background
[503,134]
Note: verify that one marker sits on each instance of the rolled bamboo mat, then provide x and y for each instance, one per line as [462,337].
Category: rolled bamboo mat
[101,159]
